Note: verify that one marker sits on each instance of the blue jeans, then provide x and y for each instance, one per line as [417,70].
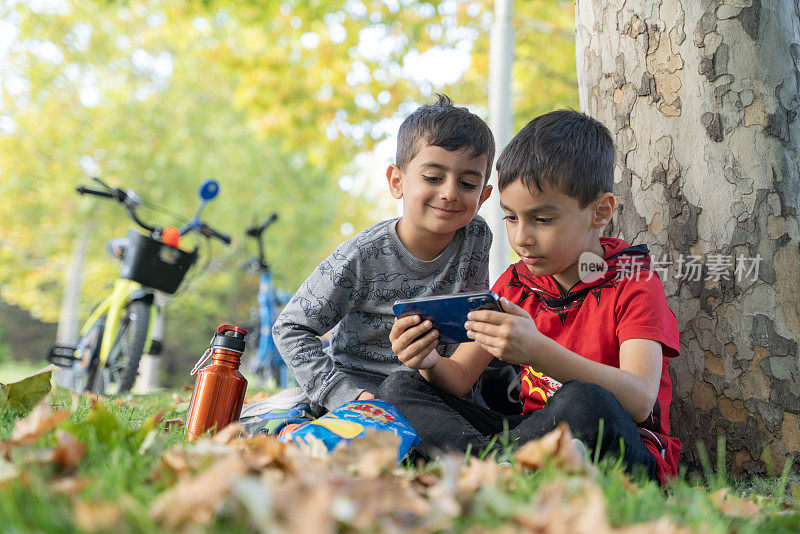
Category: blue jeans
[450,423]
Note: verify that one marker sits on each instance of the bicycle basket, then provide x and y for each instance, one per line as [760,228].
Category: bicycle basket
[154,264]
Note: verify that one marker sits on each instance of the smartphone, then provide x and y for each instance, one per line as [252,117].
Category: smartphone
[448,313]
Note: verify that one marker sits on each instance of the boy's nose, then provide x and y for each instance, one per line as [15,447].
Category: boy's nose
[523,237]
[448,191]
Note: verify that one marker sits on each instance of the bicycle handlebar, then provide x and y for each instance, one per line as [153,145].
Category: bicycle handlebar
[256,231]
[86,191]
[210,232]
[132,201]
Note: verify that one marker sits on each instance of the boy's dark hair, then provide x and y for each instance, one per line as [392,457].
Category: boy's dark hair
[447,126]
[563,149]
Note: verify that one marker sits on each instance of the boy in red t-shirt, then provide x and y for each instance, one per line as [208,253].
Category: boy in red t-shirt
[585,316]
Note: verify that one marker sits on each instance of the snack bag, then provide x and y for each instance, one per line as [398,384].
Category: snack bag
[353,421]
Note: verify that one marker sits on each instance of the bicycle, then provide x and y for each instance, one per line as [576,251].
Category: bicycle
[120,329]
[268,362]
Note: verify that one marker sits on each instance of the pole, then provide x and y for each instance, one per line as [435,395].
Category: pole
[501,52]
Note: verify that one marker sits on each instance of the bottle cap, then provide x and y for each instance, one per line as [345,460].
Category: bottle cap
[229,337]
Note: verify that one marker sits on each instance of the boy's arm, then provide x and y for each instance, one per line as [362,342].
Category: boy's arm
[415,346]
[513,337]
[320,303]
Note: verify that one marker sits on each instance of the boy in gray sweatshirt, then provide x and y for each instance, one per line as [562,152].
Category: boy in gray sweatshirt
[439,246]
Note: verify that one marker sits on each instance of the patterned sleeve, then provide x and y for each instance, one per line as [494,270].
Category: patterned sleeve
[320,303]
[479,259]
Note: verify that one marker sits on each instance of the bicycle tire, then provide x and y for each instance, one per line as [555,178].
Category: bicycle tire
[132,337]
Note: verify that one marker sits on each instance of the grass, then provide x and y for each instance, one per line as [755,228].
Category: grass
[117,472]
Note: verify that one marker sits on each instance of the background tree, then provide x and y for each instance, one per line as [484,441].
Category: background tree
[702,98]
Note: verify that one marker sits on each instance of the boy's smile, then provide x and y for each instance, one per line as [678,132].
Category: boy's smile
[441,192]
[549,230]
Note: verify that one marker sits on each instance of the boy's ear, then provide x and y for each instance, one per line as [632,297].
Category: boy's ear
[395,178]
[603,209]
[487,191]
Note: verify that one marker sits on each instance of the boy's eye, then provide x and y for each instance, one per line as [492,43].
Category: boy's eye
[544,220]
[510,218]
[468,185]
[431,179]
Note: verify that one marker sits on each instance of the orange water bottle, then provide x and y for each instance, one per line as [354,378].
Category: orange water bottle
[219,389]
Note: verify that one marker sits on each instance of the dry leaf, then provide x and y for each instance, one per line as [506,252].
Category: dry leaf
[262,451]
[173,424]
[475,474]
[575,505]
[94,516]
[179,398]
[70,485]
[369,456]
[8,471]
[556,445]
[93,397]
[228,433]
[195,499]
[36,424]
[733,505]
[69,452]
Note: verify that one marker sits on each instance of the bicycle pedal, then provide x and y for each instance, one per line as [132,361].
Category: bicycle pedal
[62,356]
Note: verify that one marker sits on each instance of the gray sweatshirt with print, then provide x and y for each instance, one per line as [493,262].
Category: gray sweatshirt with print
[352,291]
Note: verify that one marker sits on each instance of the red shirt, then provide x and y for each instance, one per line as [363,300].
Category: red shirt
[593,319]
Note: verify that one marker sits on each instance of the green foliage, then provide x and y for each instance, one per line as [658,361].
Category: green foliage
[275,99]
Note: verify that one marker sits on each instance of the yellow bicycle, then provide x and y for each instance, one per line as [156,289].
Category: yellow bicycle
[121,328]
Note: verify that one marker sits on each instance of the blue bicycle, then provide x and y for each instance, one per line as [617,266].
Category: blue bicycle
[268,362]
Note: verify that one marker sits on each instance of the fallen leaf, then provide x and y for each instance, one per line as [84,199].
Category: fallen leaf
[69,452]
[70,485]
[370,456]
[25,394]
[36,424]
[262,451]
[179,398]
[94,516]
[93,398]
[173,424]
[573,505]
[228,433]
[8,471]
[556,446]
[476,474]
[194,500]
[732,505]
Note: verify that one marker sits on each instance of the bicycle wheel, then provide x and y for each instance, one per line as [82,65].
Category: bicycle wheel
[122,365]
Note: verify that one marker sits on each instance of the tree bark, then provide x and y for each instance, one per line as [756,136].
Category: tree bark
[701,98]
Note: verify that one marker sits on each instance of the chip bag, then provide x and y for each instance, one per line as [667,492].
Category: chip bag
[352,421]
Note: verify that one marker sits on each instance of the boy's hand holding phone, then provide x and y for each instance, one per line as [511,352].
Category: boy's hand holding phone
[511,336]
[414,342]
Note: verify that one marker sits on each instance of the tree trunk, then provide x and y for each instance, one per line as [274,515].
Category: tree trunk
[701,98]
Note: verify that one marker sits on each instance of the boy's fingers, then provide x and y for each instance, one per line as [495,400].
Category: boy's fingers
[512,308]
[423,341]
[487,316]
[483,339]
[482,328]
[402,324]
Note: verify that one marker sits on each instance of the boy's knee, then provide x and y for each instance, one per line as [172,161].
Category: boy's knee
[398,384]
[583,405]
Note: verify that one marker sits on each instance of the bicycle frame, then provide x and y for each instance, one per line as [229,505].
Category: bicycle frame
[112,308]
[267,353]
